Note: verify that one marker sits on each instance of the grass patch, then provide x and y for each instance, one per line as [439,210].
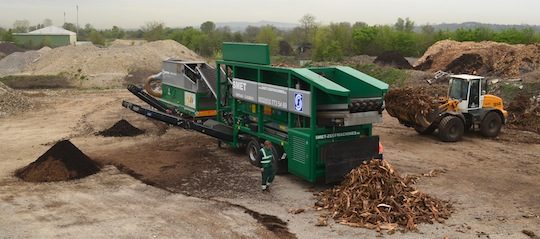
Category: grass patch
[37,81]
[391,76]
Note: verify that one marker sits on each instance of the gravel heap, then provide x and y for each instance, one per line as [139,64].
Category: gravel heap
[118,59]
[12,101]
[18,62]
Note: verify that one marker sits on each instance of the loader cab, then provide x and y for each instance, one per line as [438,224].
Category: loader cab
[468,90]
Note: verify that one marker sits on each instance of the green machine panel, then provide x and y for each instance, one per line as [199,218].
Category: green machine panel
[301,148]
[246,52]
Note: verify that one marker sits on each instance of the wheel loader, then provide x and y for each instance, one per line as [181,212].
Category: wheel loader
[466,107]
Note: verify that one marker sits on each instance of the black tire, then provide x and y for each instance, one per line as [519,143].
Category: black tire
[280,165]
[253,150]
[424,131]
[451,129]
[491,125]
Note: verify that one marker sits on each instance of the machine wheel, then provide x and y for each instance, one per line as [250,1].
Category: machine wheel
[280,165]
[153,87]
[253,151]
[491,125]
[451,129]
[424,131]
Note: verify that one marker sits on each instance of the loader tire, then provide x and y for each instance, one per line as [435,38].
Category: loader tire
[150,87]
[424,131]
[253,150]
[451,129]
[491,125]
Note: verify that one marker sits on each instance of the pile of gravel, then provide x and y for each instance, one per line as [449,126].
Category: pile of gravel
[12,101]
[18,62]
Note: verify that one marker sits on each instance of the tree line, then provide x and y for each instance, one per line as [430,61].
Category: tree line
[309,39]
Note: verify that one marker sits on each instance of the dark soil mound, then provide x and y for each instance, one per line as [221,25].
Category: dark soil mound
[8,48]
[425,65]
[393,59]
[122,128]
[62,162]
[468,64]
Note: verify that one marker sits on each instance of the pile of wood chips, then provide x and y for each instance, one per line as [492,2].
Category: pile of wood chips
[374,196]
[414,100]
[480,58]
[524,113]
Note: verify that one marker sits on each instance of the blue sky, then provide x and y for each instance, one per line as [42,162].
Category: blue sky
[134,13]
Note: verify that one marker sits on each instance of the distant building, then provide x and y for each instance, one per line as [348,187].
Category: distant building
[52,36]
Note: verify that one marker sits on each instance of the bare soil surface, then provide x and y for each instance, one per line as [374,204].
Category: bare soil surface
[173,183]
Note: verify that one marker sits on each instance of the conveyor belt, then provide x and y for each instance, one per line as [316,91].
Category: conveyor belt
[216,130]
[208,74]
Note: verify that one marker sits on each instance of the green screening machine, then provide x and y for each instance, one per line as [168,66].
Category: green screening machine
[319,119]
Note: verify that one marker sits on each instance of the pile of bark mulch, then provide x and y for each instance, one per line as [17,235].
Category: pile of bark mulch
[414,100]
[524,112]
[375,196]
[469,64]
[480,58]
[122,128]
[393,59]
[62,162]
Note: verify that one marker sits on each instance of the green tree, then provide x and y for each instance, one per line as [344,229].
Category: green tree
[268,35]
[153,31]
[208,27]
[250,34]
[117,33]
[96,38]
[364,39]
[341,34]
[237,37]
[427,29]
[308,25]
[516,36]
[404,25]
[325,48]
[70,27]
[7,36]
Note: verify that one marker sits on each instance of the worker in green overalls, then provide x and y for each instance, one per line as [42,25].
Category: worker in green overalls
[266,165]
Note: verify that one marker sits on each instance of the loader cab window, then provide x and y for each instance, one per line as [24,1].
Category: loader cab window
[484,88]
[474,100]
[458,89]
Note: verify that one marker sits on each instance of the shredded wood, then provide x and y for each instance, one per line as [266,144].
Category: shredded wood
[374,196]
[415,100]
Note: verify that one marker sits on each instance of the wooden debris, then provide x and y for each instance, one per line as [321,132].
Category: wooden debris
[375,196]
[434,172]
[296,210]
[322,222]
[409,102]
[529,233]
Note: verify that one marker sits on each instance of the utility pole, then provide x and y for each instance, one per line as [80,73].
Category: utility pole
[77,19]
[64,18]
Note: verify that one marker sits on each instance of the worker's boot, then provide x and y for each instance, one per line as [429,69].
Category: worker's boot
[264,187]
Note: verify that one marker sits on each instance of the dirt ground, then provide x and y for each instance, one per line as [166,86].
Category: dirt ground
[174,183]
